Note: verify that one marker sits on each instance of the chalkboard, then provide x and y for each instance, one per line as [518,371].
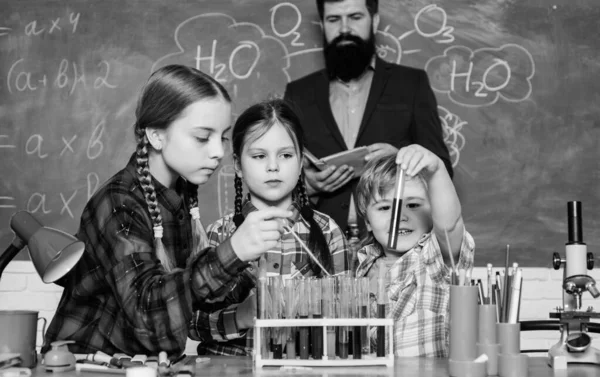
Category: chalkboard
[517,84]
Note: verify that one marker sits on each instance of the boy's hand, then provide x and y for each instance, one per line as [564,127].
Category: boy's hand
[259,233]
[415,158]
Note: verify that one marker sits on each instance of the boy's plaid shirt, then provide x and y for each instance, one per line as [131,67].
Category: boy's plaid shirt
[418,294]
[215,325]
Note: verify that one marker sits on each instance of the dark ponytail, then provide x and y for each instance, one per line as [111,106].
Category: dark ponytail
[316,239]
[238,217]
[251,125]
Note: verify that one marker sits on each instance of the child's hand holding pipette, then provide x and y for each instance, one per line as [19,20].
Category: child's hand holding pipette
[260,232]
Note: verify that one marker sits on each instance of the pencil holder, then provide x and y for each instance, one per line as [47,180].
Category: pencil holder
[511,363]
[509,337]
[487,340]
[487,333]
[464,319]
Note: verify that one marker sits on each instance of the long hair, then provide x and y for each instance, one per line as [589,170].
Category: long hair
[168,92]
[250,126]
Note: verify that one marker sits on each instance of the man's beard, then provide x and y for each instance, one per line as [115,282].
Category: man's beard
[348,61]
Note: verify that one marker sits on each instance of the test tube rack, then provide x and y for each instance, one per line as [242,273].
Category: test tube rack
[327,360]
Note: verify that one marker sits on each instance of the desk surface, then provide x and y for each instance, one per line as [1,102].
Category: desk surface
[404,367]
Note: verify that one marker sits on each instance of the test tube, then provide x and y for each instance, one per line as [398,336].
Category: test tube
[381,301]
[316,312]
[303,293]
[328,285]
[396,210]
[345,299]
[356,331]
[290,313]
[263,309]
[276,312]
[363,300]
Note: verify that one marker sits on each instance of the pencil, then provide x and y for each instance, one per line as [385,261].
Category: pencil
[480,295]
[452,278]
[498,297]
[515,295]
[506,288]
[489,283]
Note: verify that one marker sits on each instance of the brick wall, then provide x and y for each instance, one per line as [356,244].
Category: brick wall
[21,288]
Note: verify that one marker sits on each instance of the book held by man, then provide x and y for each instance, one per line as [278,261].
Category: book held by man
[352,157]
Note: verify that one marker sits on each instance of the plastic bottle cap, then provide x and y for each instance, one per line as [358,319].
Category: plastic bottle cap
[141,372]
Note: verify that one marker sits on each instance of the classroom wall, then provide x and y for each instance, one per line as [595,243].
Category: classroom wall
[22,288]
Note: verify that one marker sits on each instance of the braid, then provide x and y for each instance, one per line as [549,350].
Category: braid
[316,239]
[238,218]
[149,191]
[302,196]
[200,238]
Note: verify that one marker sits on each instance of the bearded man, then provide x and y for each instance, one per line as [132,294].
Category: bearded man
[359,100]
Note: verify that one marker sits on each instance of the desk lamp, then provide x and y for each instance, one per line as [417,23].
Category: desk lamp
[53,252]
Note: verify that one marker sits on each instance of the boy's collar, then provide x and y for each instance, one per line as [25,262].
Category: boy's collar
[378,251]
[248,207]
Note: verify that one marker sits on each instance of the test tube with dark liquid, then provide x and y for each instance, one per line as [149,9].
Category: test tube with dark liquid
[381,301]
[356,331]
[328,285]
[276,290]
[316,312]
[396,210]
[345,300]
[291,301]
[303,334]
[363,300]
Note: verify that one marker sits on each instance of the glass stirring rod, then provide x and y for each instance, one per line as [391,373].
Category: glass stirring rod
[396,210]
[288,228]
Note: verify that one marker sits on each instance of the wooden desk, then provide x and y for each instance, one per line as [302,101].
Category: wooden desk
[404,367]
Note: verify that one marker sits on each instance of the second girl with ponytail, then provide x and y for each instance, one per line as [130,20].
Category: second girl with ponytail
[267,142]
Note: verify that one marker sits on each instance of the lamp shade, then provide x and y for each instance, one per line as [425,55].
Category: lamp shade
[53,252]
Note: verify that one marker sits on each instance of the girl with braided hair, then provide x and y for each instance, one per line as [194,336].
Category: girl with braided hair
[267,144]
[147,264]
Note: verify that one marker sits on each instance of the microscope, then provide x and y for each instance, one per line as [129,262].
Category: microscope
[574,323]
